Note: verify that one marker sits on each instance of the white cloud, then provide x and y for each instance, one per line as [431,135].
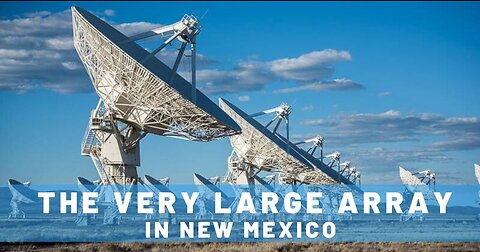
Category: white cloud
[133,28]
[467,142]
[70,65]
[244,98]
[109,12]
[38,13]
[308,71]
[310,66]
[380,165]
[60,43]
[308,108]
[42,24]
[456,133]
[336,84]
[383,94]
[244,78]
[400,156]
[36,51]
[407,140]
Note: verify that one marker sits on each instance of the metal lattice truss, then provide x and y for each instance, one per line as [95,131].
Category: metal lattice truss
[315,142]
[257,150]
[235,169]
[137,96]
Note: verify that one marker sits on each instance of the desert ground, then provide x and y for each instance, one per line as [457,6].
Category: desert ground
[241,247]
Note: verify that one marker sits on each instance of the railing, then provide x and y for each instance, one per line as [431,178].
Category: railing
[87,142]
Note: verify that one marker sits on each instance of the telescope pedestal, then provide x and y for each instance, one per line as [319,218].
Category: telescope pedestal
[115,151]
[16,213]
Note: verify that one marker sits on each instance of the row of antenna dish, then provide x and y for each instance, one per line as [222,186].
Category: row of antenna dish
[142,95]
[282,112]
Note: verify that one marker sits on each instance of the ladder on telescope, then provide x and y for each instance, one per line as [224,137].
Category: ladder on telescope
[88,142]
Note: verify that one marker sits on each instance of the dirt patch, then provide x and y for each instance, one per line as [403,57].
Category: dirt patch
[241,247]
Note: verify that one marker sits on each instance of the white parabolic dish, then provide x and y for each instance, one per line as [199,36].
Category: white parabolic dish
[155,185]
[134,85]
[412,183]
[208,187]
[21,193]
[85,185]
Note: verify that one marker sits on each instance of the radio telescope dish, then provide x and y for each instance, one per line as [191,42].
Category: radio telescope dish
[321,167]
[207,190]
[419,181]
[21,194]
[140,95]
[155,185]
[85,185]
[477,172]
[416,182]
[140,89]
[208,186]
[259,147]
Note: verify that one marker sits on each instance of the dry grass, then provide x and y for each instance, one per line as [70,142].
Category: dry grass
[241,247]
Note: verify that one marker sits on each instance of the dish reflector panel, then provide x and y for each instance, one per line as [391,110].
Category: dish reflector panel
[85,185]
[134,85]
[22,193]
[155,185]
[412,183]
[206,184]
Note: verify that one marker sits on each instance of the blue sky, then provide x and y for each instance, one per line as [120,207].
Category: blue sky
[386,84]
